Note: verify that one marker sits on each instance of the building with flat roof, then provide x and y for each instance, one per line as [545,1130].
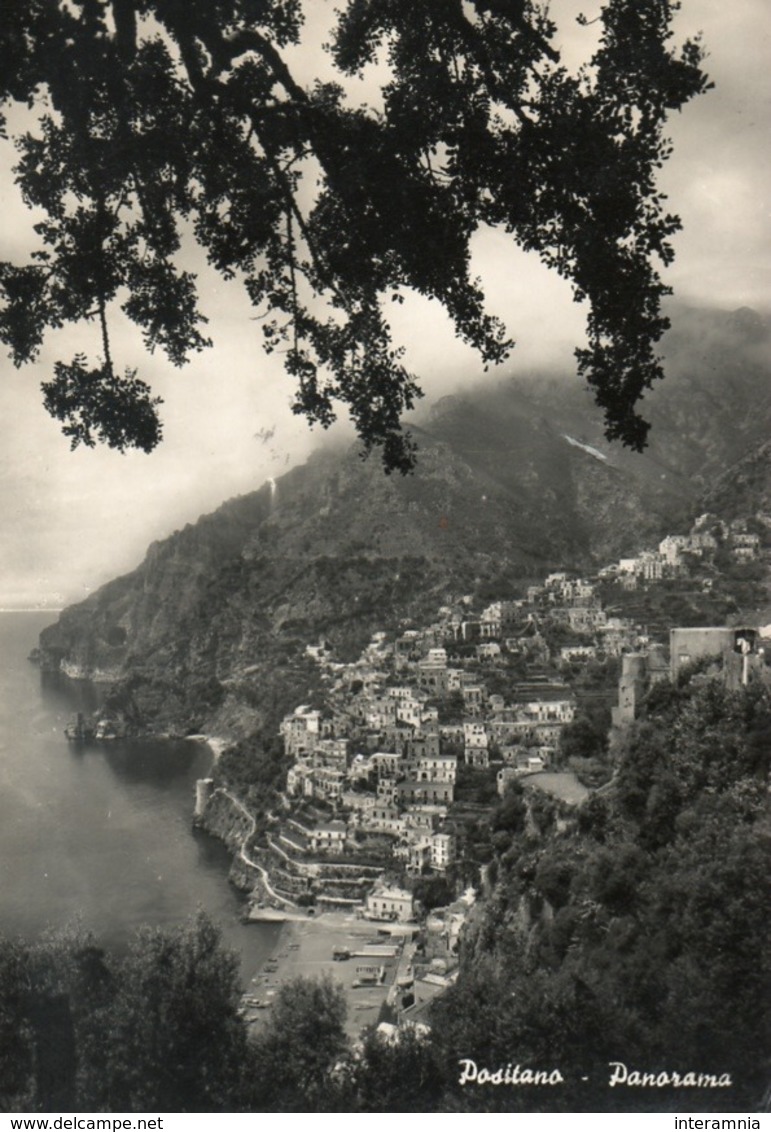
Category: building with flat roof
[385,903]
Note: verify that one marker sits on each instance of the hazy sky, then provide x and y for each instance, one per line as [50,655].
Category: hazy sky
[71,520]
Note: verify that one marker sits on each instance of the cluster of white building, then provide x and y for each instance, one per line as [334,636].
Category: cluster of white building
[383,752]
[377,752]
[671,557]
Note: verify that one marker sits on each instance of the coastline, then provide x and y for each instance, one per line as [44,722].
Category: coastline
[216,744]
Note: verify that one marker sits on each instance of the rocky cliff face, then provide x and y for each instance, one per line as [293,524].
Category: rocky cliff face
[209,632]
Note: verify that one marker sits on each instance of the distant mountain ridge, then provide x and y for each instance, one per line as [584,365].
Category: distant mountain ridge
[513,481]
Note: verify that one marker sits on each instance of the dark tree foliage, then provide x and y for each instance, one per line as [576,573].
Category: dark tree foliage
[177,1042]
[154,1030]
[433,891]
[587,736]
[400,1075]
[16,1050]
[151,120]
[296,1060]
[510,813]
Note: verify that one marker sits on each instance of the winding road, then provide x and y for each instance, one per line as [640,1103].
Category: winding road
[244,856]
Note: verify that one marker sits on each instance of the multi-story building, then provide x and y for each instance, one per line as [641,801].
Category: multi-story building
[473,698]
[412,792]
[386,764]
[409,711]
[384,819]
[390,903]
[331,753]
[585,618]
[435,768]
[442,851]
[616,636]
[380,711]
[651,566]
[671,550]
[419,854]
[549,711]
[300,730]
[475,743]
[328,837]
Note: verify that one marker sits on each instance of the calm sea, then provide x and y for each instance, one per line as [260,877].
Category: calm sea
[102,832]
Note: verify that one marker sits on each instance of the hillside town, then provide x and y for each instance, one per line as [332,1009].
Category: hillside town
[405,759]
[675,554]
[427,729]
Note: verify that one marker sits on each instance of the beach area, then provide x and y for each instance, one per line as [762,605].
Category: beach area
[370,960]
[215,744]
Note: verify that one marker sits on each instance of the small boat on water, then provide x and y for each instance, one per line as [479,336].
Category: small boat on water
[83,728]
[79,730]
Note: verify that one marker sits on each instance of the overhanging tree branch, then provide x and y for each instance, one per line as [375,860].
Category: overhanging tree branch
[206,122]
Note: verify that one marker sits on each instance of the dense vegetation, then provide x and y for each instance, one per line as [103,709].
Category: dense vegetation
[156,1028]
[638,933]
[633,931]
[153,122]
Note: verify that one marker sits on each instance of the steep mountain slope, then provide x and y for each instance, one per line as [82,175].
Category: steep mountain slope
[713,408]
[512,482]
[744,490]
